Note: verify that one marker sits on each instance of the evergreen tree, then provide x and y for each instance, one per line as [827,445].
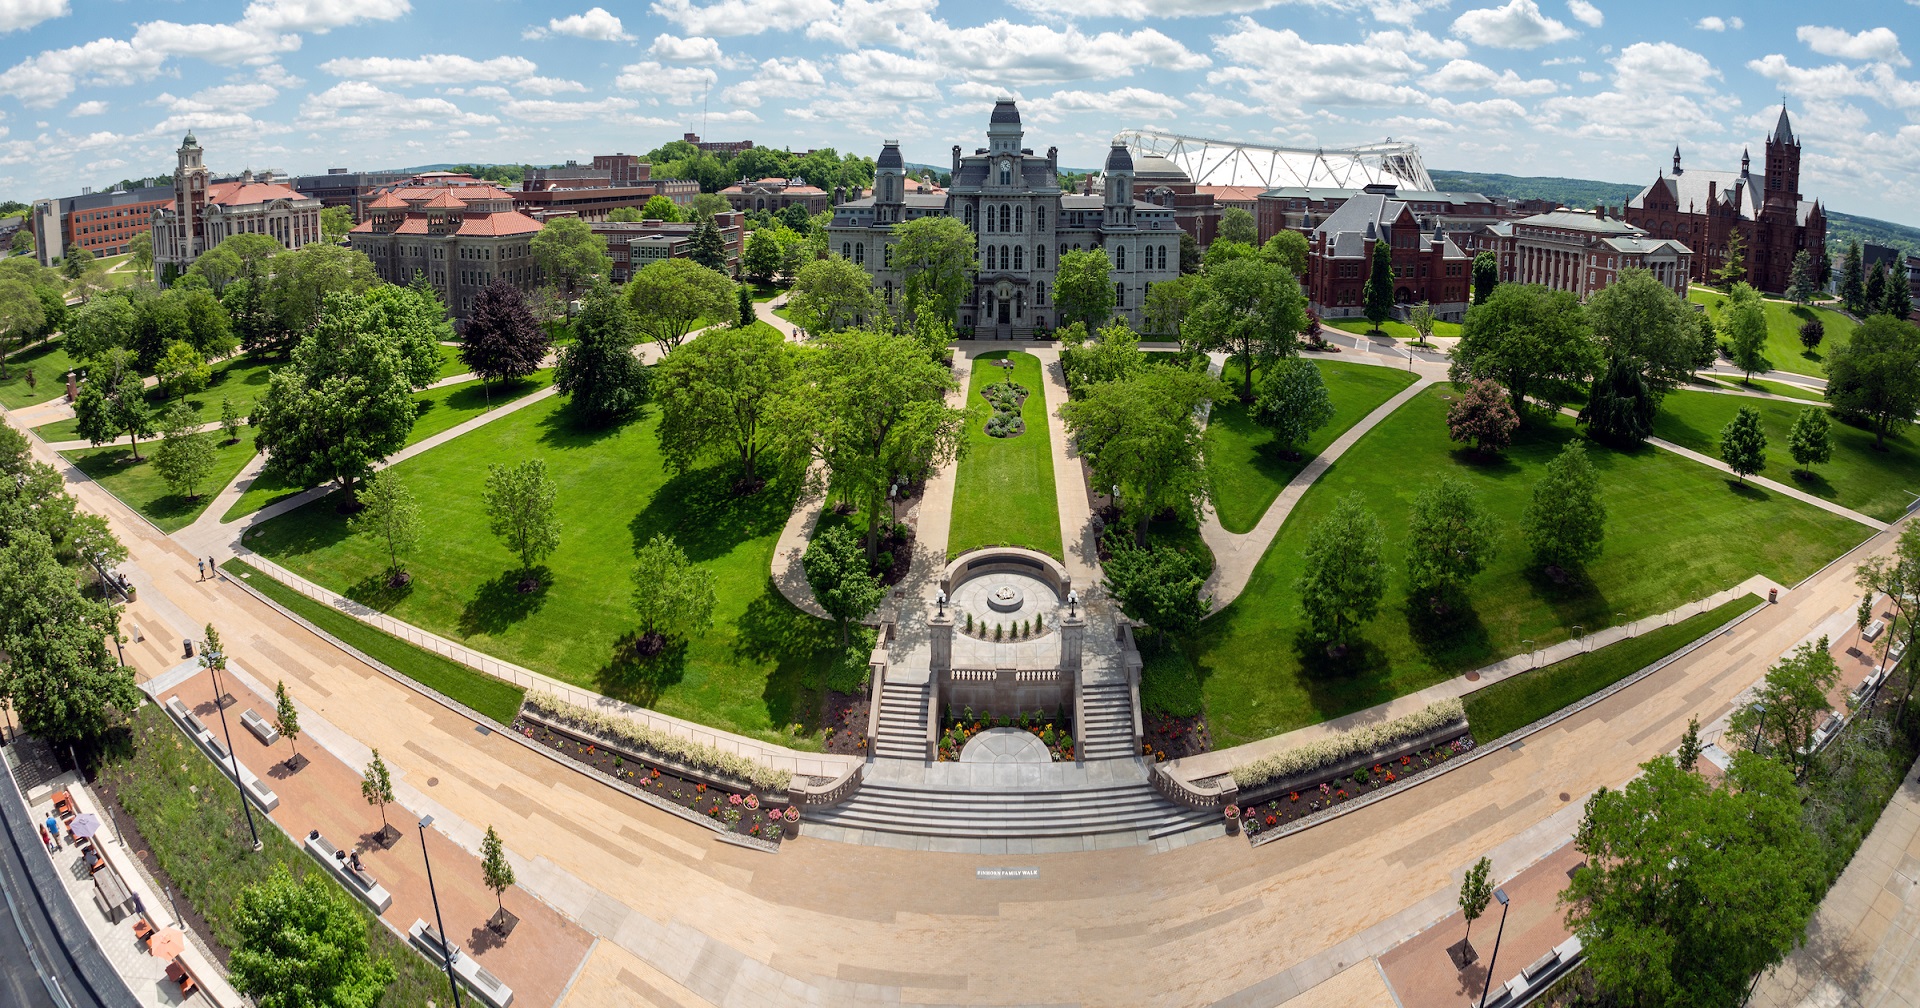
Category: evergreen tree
[1733,266]
[747,315]
[1344,576]
[502,339]
[1874,300]
[1566,522]
[1898,301]
[1811,439]
[1853,279]
[709,249]
[1806,278]
[1620,407]
[1189,254]
[1743,444]
[598,371]
[1486,275]
[1377,295]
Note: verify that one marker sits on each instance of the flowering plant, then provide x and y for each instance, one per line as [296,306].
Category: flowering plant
[753,801]
[1232,811]
[793,813]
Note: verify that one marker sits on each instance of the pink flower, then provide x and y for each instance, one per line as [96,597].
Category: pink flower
[733,799]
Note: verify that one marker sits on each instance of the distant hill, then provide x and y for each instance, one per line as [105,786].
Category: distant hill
[1585,193]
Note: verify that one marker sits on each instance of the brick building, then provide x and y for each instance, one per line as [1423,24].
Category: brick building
[1701,208]
[591,192]
[1303,209]
[722,148]
[342,188]
[457,231]
[1427,264]
[1162,183]
[101,223]
[633,247]
[204,213]
[776,194]
[1579,251]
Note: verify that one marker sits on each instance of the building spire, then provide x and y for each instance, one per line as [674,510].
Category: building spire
[1783,130]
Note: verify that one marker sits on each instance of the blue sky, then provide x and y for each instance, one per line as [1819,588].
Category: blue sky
[96,90]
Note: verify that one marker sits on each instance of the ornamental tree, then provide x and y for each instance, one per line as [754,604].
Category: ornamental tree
[1565,522]
[570,254]
[1483,417]
[1376,295]
[389,516]
[1160,586]
[1522,336]
[1744,325]
[843,582]
[1811,333]
[1251,309]
[598,372]
[672,297]
[1293,403]
[502,339]
[725,394]
[286,717]
[184,458]
[1344,577]
[1083,288]
[495,873]
[1810,442]
[303,945]
[1450,538]
[1476,891]
[1876,375]
[376,787]
[519,502]
[673,595]
[182,370]
[1743,444]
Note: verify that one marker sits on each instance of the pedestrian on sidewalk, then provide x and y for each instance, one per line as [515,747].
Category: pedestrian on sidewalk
[53,827]
[211,568]
[46,839]
[203,569]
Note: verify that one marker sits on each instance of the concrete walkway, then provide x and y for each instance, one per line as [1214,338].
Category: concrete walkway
[1071,495]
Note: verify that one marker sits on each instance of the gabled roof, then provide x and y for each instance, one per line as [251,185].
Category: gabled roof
[388,201]
[1688,190]
[493,225]
[248,193]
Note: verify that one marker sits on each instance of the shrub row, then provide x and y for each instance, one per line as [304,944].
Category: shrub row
[1334,748]
[692,753]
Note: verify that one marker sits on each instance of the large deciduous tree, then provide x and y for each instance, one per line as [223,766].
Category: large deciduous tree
[300,285]
[1524,335]
[1450,538]
[1743,444]
[1344,576]
[832,295]
[303,945]
[1483,417]
[673,296]
[59,675]
[1620,406]
[598,371]
[1160,586]
[1876,375]
[569,254]
[1287,250]
[1237,225]
[1168,305]
[1141,434]
[725,394]
[335,222]
[843,582]
[1253,310]
[1566,522]
[672,594]
[935,257]
[1638,319]
[1083,288]
[113,401]
[502,339]
[1293,403]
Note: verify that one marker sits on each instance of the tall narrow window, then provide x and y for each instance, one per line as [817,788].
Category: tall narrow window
[846,250]
[1019,219]
[1120,257]
[1163,257]
[886,256]
[966,215]
[1006,217]
[1039,257]
[1040,218]
[1040,292]
[860,254]
[1019,253]
[988,213]
[1119,295]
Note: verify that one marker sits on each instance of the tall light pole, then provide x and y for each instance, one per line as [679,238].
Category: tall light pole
[1501,895]
[215,660]
[446,944]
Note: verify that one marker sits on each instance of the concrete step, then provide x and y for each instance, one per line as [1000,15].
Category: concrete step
[1129,808]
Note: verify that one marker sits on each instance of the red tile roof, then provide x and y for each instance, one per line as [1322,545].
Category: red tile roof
[411,226]
[248,193]
[492,225]
[390,201]
[446,200]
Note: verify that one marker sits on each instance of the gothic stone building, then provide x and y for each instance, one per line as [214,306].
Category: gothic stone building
[1011,200]
[1701,208]
[205,213]
[1427,265]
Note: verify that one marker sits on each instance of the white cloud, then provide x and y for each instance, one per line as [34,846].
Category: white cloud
[1873,44]
[362,106]
[675,85]
[548,85]
[224,98]
[560,111]
[673,49]
[215,43]
[319,16]
[742,17]
[1518,25]
[429,69]
[1586,13]
[1658,66]
[1467,75]
[1419,43]
[271,73]
[596,24]
[1129,102]
[784,77]
[51,76]
[1290,76]
[1589,77]
[1831,83]
[1001,52]
[16,15]
[1716,23]
[87,108]
[1658,89]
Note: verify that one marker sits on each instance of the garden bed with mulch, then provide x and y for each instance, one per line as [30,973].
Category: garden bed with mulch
[1316,797]
[1168,737]
[957,731]
[846,723]
[739,811]
[1006,398]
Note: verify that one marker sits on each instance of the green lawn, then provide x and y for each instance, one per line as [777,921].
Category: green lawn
[1868,481]
[1003,494]
[758,670]
[450,362]
[1528,697]
[48,363]
[1784,351]
[1677,531]
[139,487]
[1248,472]
[240,379]
[495,698]
[1395,330]
[1777,388]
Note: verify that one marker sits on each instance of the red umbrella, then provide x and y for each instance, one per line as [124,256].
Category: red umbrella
[167,943]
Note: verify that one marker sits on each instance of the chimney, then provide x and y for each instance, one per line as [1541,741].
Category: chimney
[1713,193]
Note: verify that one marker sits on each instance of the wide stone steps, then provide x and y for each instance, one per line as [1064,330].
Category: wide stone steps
[1108,732]
[988,814]
[903,722]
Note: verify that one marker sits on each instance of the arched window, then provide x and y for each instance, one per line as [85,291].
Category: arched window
[1039,257]
[1040,218]
[1163,258]
[1006,173]
[1019,219]
[1006,217]
[987,212]
[966,215]
[860,254]
[1019,254]
[1063,249]
[1120,257]
[846,250]
[1040,292]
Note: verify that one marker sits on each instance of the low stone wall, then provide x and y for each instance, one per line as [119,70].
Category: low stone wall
[1006,559]
[1330,771]
[1007,692]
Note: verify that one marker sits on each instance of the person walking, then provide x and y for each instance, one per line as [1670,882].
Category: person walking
[53,827]
[203,569]
[45,839]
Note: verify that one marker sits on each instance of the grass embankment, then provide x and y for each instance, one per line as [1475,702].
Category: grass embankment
[186,810]
[48,363]
[1676,531]
[139,486]
[1859,477]
[241,380]
[1784,320]
[495,698]
[1003,494]
[1393,330]
[1528,697]
[758,670]
[1247,469]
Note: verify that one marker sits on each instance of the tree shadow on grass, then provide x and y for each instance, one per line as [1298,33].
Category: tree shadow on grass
[1747,490]
[1455,640]
[567,427]
[799,646]
[1814,483]
[1495,464]
[375,592]
[700,512]
[1573,597]
[174,506]
[640,679]
[1341,685]
[499,603]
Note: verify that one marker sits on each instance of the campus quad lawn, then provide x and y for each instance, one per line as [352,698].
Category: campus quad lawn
[1868,481]
[1676,531]
[1528,697]
[1777,388]
[1393,330]
[140,487]
[758,670]
[49,363]
[1783,349]
[1003,494]
[243,380]
[1248,471]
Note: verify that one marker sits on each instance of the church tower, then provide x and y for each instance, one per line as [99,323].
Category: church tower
[1119,186]
[1783,163]
[189,199]
[889,185]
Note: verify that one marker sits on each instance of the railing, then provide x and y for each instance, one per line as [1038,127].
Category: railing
[1005,676]
[1210,794]
[933,723]
[832,792]
[1131,663]
[877,664]
[1080,720]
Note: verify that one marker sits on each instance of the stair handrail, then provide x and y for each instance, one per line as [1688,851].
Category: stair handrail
[1130,661]
[877,664]
[1079,715]
[1213,793]
[933,721]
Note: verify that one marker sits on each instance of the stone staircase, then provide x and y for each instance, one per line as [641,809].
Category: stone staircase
[1108,731]
[903,721]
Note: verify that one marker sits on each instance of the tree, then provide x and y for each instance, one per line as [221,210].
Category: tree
[60,677]
[1620,406]
[1141,435]
[1376,295]
[300,285]
[1637,319]
[303,945]
[1450,539]
[286,717]
[1876,293]
[1733,265]
[709,249]
[569,253]
[1486,276]
[1565,522]
[1853,279]
[627,214]
[1168,305]
[672,297]
[1237,225]
[77,262]
[1898,578]
[335,222]
[1160,586]
[762,257]
[1483,417]
[598,371]
[1083,288]
[520,511]
[1691,887]
[1524,335]
[22,316]
[1898,301]
[99,325]
[1876,375]
[725,393]
[140,255]
[1743,444]
[743,304]
[659,208]
[1112,355]
[184,459]
[1251,309]
[1287,250]
[502,339]
[1805,282]
[1744,324]
[209,327]
[391,517]
[1189,254]
[495,872]
[1811,439]
[935,256]
[376,786]
[230,420]
[1811,333]
[1222,251]
[673,595]
[22,244]
[843,582]
[1788,704]
[832,295]
[1476,891]
[182,370]
[1421,318]
[1344,576]
[705,205]
[1690,748]
[1293,403]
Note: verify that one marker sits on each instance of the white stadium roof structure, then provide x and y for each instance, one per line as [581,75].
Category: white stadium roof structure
[1226,162]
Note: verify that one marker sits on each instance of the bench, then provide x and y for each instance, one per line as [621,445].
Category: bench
[483,984]
[251,784]
[260,727]
[1873,631]
[358,882]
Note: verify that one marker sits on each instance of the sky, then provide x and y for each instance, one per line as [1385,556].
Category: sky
[92,91]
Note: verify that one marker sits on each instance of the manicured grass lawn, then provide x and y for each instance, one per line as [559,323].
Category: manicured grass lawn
[1676,531]
[495,698]
[139,487]
[49,364]
[240,379]
[1003,494]
[758,670]
[1528,697]
[1395,330]
[1868,481]
[185,809]
[1248,471]
[767,291]
[1784,351]
[450,362]
[1777,388]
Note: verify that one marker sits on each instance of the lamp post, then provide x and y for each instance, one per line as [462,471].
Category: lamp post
[446,944]
[215,660]
[1501,895]
[1754,740]
[1533,657]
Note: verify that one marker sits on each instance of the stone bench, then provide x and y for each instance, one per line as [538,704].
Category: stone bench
[358,882]
[250,784]
[1873,631]
[261,728]
[482,983]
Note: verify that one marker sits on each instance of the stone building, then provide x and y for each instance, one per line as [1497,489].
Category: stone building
[1427,264]
[457,231]
[1701,208]
[204,213]
[633,247]
[1011,200]
[1580,251]
[776,194]
[1302,208]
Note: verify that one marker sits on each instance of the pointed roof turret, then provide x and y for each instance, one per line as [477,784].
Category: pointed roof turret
[1783,130]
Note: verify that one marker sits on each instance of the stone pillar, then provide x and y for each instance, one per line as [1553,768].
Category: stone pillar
[73,387]
[940,630]
[1073,634]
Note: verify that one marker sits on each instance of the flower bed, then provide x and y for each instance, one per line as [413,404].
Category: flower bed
[1347,745]
[702,757]
[1169,737]
[738,811]
[958,730]
[847,723]
[1316,797]
[1006,399]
